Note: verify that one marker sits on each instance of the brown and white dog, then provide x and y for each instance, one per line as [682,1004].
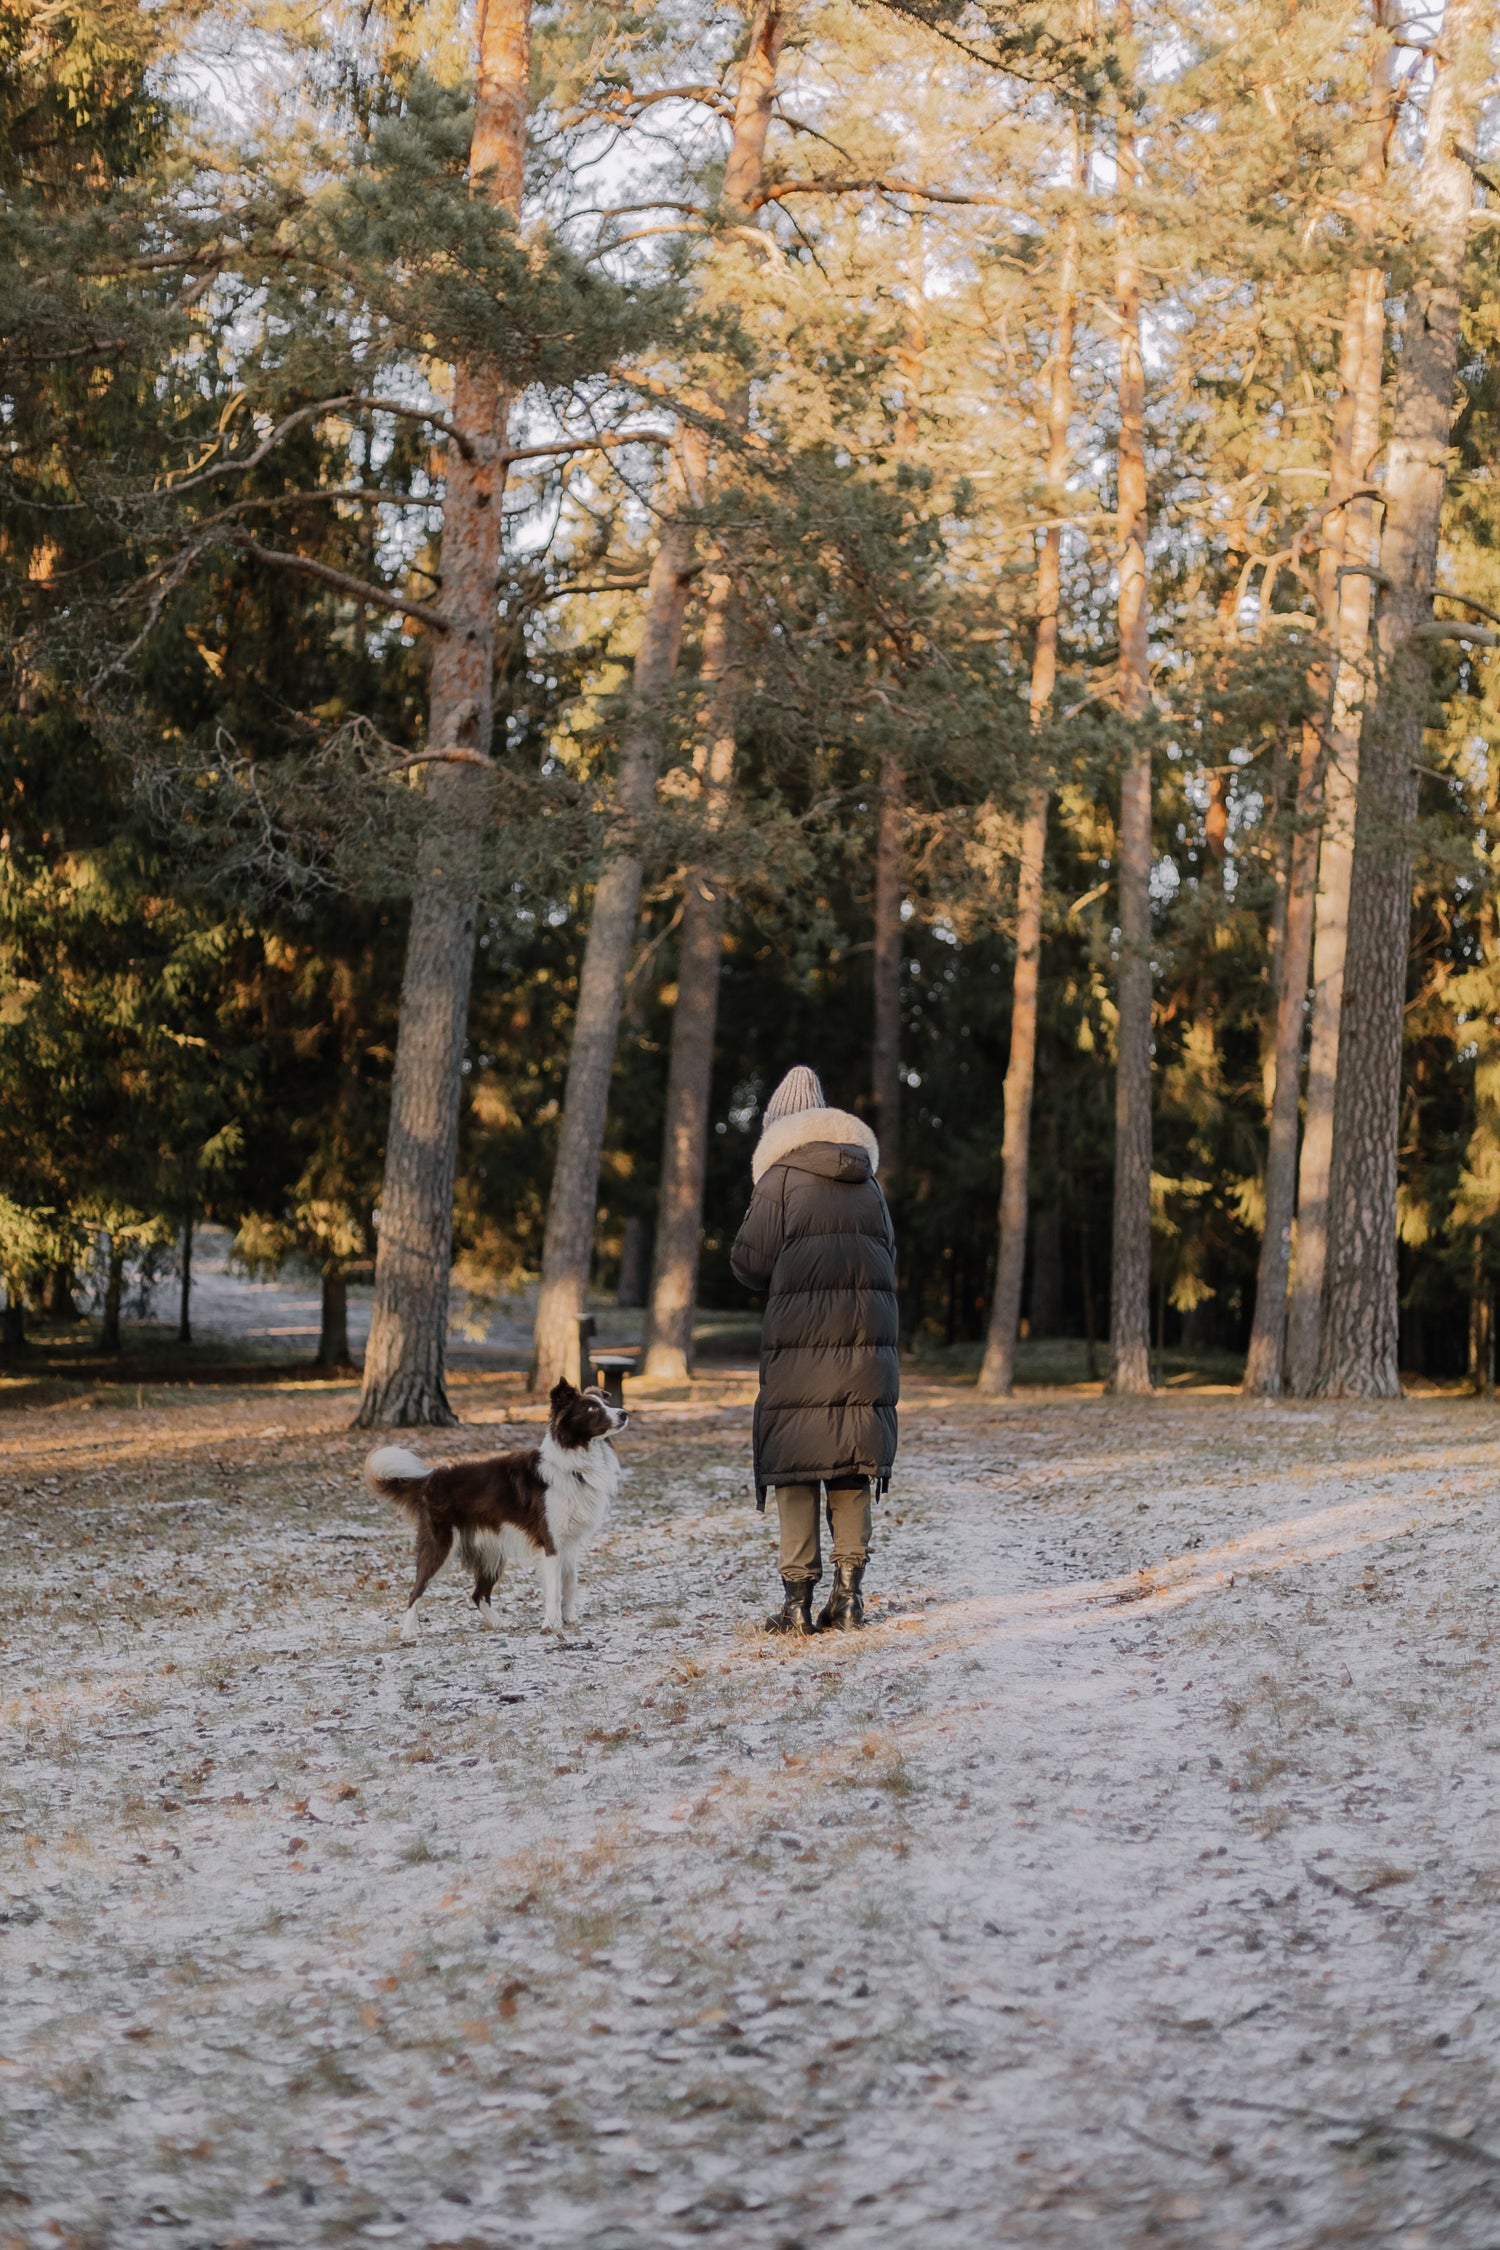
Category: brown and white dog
[536,1505]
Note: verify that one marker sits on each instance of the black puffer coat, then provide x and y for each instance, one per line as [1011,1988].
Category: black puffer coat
[818,1239]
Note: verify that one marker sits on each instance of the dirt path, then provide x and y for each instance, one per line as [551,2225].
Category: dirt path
[1132,1881]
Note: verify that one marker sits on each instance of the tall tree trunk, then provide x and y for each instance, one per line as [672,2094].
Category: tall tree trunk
[185,1294]
[333,1338]
[1130,1295]
[114,1292]
[1356,550]
[684,1165]
[1046,1314]
[635,1263]
[1341,788]
[1360,1343]
[1481,1328]
[406,1360]
[1265,1363]
[890,889]
[568,1246]
[890,801]
[997,1371]
[1090,1335]
[679,1217]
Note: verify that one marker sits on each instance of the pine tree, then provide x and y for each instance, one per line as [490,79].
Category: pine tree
[1351,611]
[1129,1332]
[404,1363]
[685,1124]
[996,1374]
[1359,1353]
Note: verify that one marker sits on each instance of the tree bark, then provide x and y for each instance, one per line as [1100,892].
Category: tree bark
[1481,1329]
[1046,1314]
[114,1292]
[1340,800]
[1263,1362]
[635,1263]
[568,1245]
[1359,1356]
[679,1220]
[997,1370]
[890,888]
[1130,1294]
[1357,544]
[405,1379]
[1266,1365]
[185,1293]
[684,1166]
[333,1339]
[890,800]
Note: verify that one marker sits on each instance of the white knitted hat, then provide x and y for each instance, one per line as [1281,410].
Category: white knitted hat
[799,1090]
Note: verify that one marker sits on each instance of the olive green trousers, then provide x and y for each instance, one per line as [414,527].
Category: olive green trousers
[848,1521]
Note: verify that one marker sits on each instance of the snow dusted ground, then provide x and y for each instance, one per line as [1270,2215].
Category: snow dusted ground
[1132,1881]
[282,1316]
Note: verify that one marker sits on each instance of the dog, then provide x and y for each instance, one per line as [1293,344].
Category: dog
[538,1505]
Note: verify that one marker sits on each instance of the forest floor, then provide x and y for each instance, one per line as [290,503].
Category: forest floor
[1131,1880]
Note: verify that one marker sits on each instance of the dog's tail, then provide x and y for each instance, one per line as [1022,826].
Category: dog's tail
[395,1474]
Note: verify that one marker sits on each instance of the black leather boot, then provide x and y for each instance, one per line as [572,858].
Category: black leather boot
[845,1606]
[795,1613]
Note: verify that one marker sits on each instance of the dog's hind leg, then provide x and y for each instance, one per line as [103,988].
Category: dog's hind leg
[552,1613]
[569,1573]
[486,1578]
[433,1547]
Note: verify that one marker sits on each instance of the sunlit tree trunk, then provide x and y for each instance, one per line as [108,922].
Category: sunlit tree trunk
[1358,558]
[679,1215]
[1359,1351]
[1265,1369]
[406,1360]
[568,1246]
[1336,858]
[679,1208]
[1263,1363]
[997,1373]
[1130,1306]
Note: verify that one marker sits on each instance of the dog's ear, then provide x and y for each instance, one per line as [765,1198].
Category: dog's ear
[561,1393]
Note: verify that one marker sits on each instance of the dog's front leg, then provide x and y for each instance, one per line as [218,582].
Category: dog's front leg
[569,1562]
[552,1614]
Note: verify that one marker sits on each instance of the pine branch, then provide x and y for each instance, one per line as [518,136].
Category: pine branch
[344,583]
[601,444]
[310,413]
[1445,629]
[924,12]
[876,185]
[1480,609]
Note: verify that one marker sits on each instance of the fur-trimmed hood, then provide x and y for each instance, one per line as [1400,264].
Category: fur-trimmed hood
[806,1126]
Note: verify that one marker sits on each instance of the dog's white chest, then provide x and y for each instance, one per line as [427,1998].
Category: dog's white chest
[581,1483]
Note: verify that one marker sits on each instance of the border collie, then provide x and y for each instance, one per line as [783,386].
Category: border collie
[535,1505]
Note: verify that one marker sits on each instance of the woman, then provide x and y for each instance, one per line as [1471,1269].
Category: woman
[818,1239]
